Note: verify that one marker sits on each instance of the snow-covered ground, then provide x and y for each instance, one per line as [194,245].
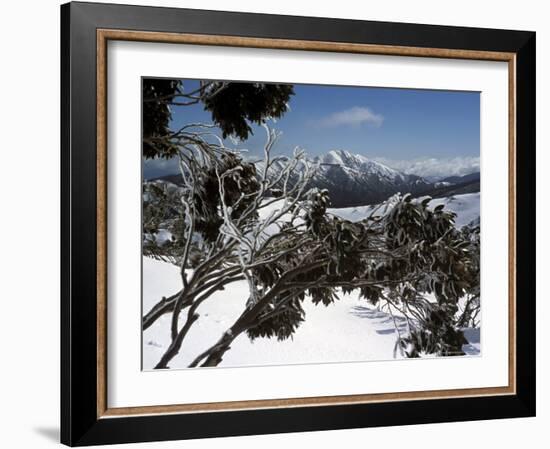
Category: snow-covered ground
[348,330]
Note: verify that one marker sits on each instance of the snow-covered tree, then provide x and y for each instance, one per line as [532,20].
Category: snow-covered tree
[217,233]
[396,259]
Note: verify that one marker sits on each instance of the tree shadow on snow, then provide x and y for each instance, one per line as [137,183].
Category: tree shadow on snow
[382,318]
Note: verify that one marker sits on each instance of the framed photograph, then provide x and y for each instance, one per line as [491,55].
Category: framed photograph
[284,224]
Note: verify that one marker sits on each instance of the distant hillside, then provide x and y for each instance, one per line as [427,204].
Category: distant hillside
[462,179]
[456,185]
[455,189]
[354,180]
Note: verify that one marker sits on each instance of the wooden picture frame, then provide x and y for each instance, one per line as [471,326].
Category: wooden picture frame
[85,417]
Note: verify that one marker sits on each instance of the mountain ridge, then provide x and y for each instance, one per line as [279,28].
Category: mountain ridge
[355,180]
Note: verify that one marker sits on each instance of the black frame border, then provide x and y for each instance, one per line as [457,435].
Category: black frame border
[80,424]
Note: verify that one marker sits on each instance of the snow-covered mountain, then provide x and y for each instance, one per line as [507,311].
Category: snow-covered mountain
[358,166]
[355,180]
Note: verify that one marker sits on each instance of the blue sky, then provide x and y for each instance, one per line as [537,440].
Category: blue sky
[425,132]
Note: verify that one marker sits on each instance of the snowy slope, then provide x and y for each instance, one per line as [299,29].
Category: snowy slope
[348,330]
[465,206]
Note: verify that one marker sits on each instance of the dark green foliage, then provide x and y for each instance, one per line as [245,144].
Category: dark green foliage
[278,320]
[236,104]
[268,274]
[372,293]
[347,262]
[438,334]
[442,261]
[325,296]
[472,307]
[411,251]
[317,203]
[207,200]
[157,94]
[232,106]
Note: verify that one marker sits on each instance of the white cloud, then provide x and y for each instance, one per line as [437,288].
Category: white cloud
[355,116]
[456,166]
